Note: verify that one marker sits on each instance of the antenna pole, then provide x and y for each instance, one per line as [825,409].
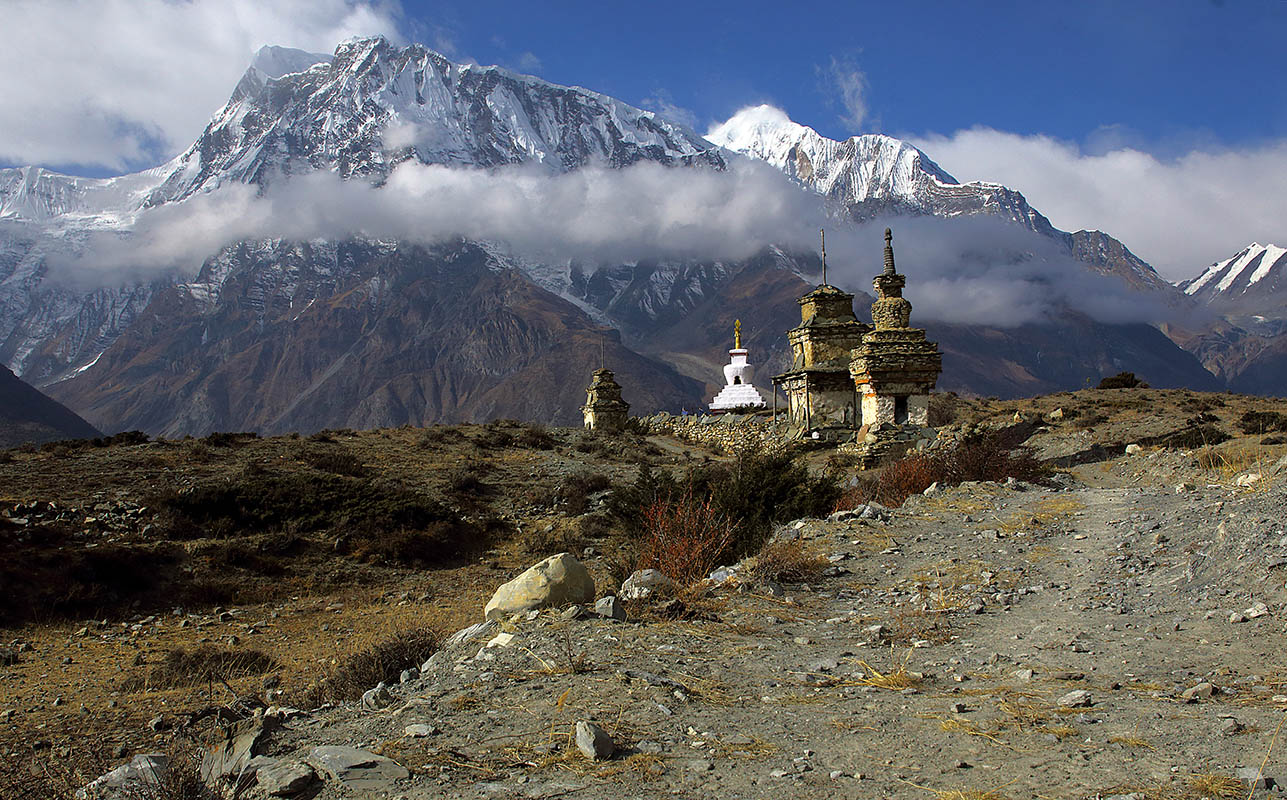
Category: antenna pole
[823,233]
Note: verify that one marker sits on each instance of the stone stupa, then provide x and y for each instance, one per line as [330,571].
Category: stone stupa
[604,410]
[895,368]
[738,392]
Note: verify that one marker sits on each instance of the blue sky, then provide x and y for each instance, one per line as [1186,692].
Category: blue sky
[1162,122]
[1164,75]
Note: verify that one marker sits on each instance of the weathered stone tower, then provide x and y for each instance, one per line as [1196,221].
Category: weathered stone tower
[895,367]
[819,388]
[604,410]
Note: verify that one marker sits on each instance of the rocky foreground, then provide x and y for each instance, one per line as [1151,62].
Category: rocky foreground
[1119,635]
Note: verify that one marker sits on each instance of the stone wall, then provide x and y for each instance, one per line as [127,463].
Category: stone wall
[725,432]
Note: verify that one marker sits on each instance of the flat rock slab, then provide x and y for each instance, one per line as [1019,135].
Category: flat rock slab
[284,778]
[359,770]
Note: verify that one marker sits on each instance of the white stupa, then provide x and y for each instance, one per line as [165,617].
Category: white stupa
[738,391]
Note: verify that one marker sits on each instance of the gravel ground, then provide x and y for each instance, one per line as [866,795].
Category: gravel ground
[1118,635]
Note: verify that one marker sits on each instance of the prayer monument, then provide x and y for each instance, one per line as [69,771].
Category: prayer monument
[737,392]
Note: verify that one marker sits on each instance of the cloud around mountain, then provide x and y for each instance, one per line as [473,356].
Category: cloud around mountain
[970,270]
[1178,214]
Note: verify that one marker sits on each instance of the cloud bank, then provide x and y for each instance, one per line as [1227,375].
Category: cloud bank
[124,84]
[971,270]
[1179,215]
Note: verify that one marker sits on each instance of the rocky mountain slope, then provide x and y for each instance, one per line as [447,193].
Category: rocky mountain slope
[26,415]
[1239,328]
[1252,281]
[277,337]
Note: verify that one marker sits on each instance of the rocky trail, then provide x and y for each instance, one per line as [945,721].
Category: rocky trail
[1118,636]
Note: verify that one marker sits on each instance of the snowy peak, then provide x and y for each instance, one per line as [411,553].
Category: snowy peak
[34,194]
[857,170]
[373,105]
[869,174]
[1255,272]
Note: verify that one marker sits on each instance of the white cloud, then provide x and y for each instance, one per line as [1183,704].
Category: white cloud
[124,84]
[971,270]
[847,86]
[1178,214]
[529,62]
[593,214]
[664,104]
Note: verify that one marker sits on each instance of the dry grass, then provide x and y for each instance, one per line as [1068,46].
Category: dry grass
[380,661]
[1217,786]
[788,562]
[1132,741]
[203,664]
[896,679]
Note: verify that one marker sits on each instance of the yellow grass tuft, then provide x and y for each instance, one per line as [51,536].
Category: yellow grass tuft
[1215,785]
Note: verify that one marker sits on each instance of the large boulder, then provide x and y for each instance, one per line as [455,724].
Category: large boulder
[556,581]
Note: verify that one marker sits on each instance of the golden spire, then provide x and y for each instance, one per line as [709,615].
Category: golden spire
[737,334]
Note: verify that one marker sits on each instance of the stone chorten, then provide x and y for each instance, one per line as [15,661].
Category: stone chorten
[895,367]
[819,388]
[604,410]
[738,391]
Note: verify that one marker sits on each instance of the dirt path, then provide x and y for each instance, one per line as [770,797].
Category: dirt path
[1089,589]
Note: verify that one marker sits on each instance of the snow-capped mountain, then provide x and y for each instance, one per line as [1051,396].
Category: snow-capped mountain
[873,174]
[1251,280]
[293,317]
[374,105]
[870,173]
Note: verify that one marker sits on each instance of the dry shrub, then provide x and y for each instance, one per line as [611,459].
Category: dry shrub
[942,409]
[534,437]
[337,461]
[1195,435]
[977,456]
[540,541]
[684,538]
[1122,380]
[788,562]
[202,664]
[383,661]
[1259,422]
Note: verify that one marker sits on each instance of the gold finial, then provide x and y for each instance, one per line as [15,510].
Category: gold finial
[823,233]
[737,334]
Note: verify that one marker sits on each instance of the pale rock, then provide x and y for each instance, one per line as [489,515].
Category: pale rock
[1257,610]
[358,770]
[284,778]
[1078,698]
[594,741]
[646,583]
[501,639]
[1132,449]
[127,780]
[610,608]
[556,581]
